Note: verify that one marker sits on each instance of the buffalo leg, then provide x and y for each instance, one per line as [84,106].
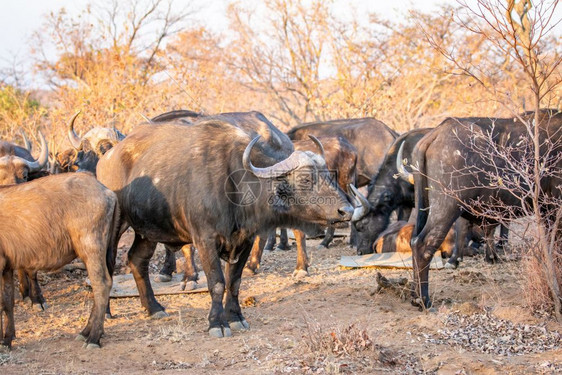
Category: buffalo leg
[169,266]
[24,285]
[461,235]
[139,257]
[233,278]
[504,237]
[302,257]
[37,299]
[491,254]
[255,255]
[208,253]
[190,273]
[100,279]
[8,331]
[283,240]
[270,243]
[424,245]
[353,237]
[328,237]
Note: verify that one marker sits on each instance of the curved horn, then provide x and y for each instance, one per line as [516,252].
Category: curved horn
[364,205]
[295,160]
[74,139]
[26,142]
[318,144]
[38,164]
[402,172]
[145,118]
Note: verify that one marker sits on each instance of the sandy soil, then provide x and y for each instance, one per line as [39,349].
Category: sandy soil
[326,323]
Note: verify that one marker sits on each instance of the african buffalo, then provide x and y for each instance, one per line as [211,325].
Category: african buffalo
[48,222]
[215,184]
[17,165]
[86,150]
[396,238]
[370,137]
[386,194]
[459,166]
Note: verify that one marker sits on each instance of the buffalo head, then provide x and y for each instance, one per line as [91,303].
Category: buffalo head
[15,169]
[302,187]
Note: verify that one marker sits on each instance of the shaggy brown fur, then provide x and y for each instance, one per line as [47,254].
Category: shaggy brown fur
[63,217]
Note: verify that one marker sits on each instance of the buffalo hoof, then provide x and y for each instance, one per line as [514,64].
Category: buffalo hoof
[321,247]
[188,285]
[27,300]
[159,315]
[80,338]
[451,266]
[239,326]
[419,303]
[91,346]
[248,272]
[300,274]
[4,348]
[220,332]
[162,278]
[39,307]
[108,316]
[283,247]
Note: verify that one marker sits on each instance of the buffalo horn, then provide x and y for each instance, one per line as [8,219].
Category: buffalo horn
[38,164]
[295,160]
[26,142]
[364,205]
[74,139]
[144,117]
[402,172]
[318,144]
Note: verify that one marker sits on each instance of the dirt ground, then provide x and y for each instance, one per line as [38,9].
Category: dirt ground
[329,322]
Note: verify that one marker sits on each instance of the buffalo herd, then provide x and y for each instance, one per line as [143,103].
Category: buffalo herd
[223,184]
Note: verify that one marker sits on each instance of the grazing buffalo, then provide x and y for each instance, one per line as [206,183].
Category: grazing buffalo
[47,223]
[341,160]
[370,137]
[386,194]
[459,165]
[396,238]
[216,184]
[86,150]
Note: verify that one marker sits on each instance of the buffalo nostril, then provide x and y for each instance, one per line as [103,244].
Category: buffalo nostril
[359,252]
[346,212]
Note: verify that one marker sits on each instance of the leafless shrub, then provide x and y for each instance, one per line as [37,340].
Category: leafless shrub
[338,341]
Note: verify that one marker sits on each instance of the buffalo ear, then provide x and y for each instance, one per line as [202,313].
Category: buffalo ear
[104,145]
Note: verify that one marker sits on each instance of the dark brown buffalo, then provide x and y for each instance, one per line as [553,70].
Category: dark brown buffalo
[47,223]
[386,194]
[447,157]
[216,184]
[341,159]
[18,165]
[370,137]
[396,238]
[86,150]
